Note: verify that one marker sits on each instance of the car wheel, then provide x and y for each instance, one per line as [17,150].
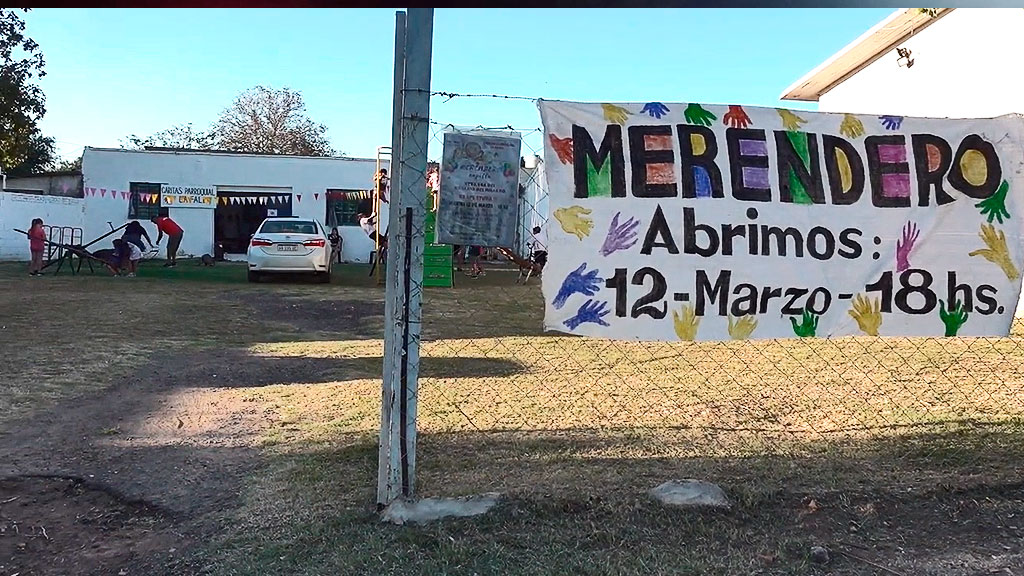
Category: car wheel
[254,276]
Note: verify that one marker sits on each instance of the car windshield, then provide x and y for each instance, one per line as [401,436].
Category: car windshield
[288,227]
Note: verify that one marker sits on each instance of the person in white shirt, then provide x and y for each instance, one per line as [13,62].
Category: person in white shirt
[540,246]
[368,222]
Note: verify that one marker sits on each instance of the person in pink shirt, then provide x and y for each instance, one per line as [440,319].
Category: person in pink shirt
[36,245]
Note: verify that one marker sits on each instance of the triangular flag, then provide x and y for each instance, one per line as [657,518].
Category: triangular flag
[272,199]
[103,192]
[89,191]
[298,197]
[124,195]
[263,200]
[316,196]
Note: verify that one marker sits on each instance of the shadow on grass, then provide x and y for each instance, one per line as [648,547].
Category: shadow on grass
[575,503]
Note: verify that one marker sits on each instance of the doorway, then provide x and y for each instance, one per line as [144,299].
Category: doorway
[239,214]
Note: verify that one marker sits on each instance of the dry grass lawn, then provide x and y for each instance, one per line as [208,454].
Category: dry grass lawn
[899,452]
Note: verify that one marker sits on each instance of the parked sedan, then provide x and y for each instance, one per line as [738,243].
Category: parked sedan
[289,245]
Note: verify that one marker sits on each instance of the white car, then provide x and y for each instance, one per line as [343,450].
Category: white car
[290,245]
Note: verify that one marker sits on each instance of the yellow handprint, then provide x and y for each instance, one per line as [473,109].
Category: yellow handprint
[789,120]
[742,328]
[613,113]
[574,221]
[867,313]
[996,251]
[686,323]
[851,126]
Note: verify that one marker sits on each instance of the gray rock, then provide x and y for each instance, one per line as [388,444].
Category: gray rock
[690,493]
[819,555]
[429,509]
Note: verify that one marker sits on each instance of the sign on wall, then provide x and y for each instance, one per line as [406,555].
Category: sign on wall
[479,189]
[188,196]
[706,222]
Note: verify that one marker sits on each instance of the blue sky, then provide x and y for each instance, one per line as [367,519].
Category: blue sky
[115,72]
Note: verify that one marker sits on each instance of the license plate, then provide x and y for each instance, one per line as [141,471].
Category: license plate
[288,248]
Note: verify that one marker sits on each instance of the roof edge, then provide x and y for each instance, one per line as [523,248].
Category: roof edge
[857,55]
[185,151]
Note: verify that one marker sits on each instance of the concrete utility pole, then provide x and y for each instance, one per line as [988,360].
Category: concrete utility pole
[404,279]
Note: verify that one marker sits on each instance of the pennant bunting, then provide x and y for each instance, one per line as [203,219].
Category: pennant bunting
[103,192]
[298,197]
[263,200]
[316,196]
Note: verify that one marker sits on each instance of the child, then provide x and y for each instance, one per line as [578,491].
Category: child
[134,255]
[335,239]
[475,254]
[36,245]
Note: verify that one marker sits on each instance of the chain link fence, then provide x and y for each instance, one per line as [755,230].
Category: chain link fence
[502,405]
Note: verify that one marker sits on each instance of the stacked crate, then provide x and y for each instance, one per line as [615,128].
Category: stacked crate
[438,269]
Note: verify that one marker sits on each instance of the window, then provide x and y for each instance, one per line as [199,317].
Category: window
[344,206]
[145,201]
[288,227]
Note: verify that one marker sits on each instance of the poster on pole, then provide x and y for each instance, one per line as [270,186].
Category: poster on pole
[684,221]
[478,200]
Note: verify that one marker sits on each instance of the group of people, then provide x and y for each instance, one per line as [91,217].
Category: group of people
[127,251]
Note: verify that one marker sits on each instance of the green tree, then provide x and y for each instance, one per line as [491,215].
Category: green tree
[39,155]
[22,102]
[270,121]
[180,136]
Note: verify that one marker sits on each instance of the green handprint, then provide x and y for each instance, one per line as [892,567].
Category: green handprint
[807,327]
[954,318]
[695,114]
[995,205]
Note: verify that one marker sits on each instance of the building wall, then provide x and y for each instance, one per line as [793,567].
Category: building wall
[63,184]
[306,179]
[18,210]
[964,67]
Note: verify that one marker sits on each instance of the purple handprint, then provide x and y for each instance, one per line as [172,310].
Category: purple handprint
[620,237]
[590,311]
[905,245]
[587,284]
[655,109]
[891,122]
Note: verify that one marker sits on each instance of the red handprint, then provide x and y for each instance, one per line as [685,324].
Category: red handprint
[563,147]
[736,117]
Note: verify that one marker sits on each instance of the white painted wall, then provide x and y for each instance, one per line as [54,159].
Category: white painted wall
[18,210]
[965,66]
[306,177]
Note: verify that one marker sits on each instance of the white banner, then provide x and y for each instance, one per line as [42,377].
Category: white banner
[479,188]
[706,222]
[189,196]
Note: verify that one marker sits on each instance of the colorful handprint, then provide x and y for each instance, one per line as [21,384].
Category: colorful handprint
[891,122]
[996,251]
[790,121]
[741,328]
[591,312]
[905,245]
[574,221]
[696,114]
[953,318]
[562,147]
[851,126]
[620,236]
[995,205]
[736,117]
[655,109]
[616,114]
[579,281]
[868,314]
[686,323]
[807,327]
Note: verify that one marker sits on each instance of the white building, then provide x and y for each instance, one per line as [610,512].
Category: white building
[964,62]
[963,66]
[216,197]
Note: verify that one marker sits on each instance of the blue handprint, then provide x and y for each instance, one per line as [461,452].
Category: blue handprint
[590,311]
[587,284]
[891,122]
[655,109]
